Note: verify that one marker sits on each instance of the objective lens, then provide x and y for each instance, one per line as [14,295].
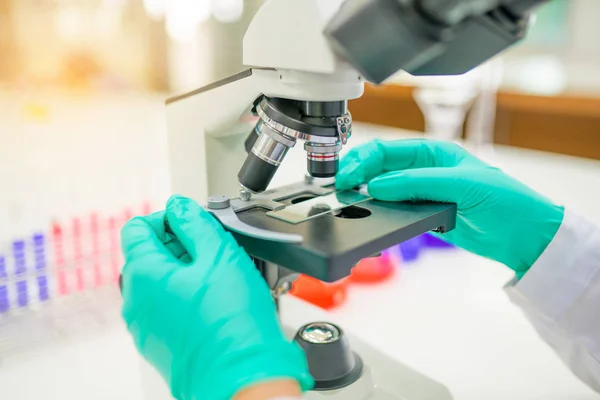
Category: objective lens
[323,161]
[264,159]
[324,108]
[251,140]
[324,126]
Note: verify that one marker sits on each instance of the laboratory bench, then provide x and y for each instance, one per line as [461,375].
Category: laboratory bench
[445,315]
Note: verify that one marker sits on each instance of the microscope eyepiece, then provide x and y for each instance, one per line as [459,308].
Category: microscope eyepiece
[324,126]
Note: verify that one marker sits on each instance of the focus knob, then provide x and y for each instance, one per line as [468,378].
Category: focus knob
[331,362]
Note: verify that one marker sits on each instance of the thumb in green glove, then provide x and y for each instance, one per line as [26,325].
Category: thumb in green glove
[498,216]
[198,309]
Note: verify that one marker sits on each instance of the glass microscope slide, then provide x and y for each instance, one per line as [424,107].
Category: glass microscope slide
[320,205]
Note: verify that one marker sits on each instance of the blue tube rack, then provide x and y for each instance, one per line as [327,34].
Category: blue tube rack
[18,284]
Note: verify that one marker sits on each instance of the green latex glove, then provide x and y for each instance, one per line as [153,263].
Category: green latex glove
[198,309]
[498,216]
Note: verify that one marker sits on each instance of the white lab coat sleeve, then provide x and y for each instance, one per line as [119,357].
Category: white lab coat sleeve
[560,295]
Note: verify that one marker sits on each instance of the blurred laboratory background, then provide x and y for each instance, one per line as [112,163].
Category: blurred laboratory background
[83,149]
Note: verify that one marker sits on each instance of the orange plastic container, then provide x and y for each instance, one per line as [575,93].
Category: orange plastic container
[331,295]
[322,294]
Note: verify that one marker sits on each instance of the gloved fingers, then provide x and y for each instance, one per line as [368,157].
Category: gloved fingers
[371,160]
[157,222]
[432,184]
[139,239]
[360,165]
[197,230]
[147,260]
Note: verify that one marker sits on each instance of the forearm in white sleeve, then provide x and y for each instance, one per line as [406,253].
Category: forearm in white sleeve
[560,295]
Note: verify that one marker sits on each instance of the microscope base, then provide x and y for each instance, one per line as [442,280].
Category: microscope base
[382,379]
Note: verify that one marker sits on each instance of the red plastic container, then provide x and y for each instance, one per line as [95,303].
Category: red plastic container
[374,270]
[321,294]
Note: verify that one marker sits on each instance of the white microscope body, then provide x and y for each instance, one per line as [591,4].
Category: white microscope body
[289,58]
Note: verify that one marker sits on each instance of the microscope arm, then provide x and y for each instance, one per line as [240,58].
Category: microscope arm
[374,37]
[215,107]
[425,37]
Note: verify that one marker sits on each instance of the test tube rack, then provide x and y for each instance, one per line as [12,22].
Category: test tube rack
[61,280]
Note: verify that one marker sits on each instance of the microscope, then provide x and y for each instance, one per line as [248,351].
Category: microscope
[306,59]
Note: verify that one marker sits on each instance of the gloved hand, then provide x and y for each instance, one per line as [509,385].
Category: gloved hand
[498,217]
[198,309]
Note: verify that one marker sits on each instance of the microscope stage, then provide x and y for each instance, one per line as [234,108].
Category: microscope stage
[334,242]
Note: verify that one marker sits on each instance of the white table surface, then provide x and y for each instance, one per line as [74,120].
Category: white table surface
[444,315]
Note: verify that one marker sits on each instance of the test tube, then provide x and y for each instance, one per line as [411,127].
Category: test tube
[4,303]
[95,230]
[43,292]
[147,208]
[128,215]
[113,248]
[59,258]
[39,249]
[3,274]
[22,294]
[18,249]
[78,254]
